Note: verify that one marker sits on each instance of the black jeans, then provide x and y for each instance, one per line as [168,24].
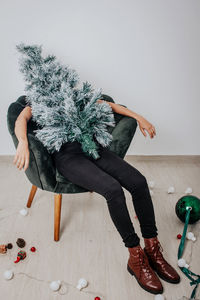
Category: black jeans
[106,176]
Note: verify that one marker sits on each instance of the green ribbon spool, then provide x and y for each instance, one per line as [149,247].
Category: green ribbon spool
[188,207]
[184,202]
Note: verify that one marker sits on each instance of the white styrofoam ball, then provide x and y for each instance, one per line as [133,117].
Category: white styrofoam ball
[81,283]
[55,285]
[151,184]
[188,190]
[193,238]
[171,190]
[181,262]
[190,235]
[23,212]
[151,192]
[8,274]
[159,297]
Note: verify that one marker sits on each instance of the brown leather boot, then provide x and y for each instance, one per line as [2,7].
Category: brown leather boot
[153,250]
[138,265]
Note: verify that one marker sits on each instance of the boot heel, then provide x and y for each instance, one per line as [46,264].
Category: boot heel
[129,270]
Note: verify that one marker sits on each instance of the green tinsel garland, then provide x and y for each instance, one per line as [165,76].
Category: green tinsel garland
[64,112]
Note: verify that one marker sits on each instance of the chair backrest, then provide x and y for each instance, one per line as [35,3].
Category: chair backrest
[16,107]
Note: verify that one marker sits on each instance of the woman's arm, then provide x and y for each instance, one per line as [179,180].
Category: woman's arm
[143,123]
[121,109]
[22,151]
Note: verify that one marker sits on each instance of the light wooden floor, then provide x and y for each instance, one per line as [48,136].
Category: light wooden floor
[89,245]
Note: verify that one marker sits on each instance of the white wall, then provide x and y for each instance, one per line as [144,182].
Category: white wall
[145,54]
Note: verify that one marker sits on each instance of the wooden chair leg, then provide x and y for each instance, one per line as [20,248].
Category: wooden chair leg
[31,195]
[57,214]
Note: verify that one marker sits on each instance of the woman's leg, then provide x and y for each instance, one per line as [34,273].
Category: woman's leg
[132,180]
[77,168]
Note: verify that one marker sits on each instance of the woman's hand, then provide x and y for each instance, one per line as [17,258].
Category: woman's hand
[145,125]
[22,155]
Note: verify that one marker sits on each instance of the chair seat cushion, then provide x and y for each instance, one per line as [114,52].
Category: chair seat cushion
[64,186]
[61,178]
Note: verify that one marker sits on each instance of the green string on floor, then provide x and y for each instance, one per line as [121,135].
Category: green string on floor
[180,252]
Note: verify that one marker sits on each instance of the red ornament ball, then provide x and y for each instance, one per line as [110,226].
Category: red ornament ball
[97,298]
[33,249]
[179,236]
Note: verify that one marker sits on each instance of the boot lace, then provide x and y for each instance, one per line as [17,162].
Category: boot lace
[158,250]
[145,264]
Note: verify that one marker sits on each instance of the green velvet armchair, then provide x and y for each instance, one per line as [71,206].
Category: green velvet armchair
[42,172]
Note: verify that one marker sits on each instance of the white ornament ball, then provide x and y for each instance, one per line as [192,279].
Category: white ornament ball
[8,274]
[159,297]
[171,190]
[193,238]
[190,235]
[188,190]
[55,285]
[181,262]
[24,212]
[151,192]
[81,283]
[151,184]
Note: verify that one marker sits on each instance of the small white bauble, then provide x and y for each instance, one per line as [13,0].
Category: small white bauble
[151,184]
[181,262]
[159,297]
[24,212]
[188,190]
[81,283]
[171,190]
[151,192]
[8,274]
[193,238]
[190,235]
[55,285]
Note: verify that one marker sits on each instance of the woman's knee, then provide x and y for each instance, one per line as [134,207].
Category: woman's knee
[139,183]
[114,192]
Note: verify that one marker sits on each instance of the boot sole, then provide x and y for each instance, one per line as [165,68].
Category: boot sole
[150,291]
[162,276]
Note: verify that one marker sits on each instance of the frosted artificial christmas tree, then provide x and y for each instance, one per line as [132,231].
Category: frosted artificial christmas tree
[64,112]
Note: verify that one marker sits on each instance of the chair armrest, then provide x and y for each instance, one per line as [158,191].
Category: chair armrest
[41,170]
[123,134]
[122,105]
[44,163]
